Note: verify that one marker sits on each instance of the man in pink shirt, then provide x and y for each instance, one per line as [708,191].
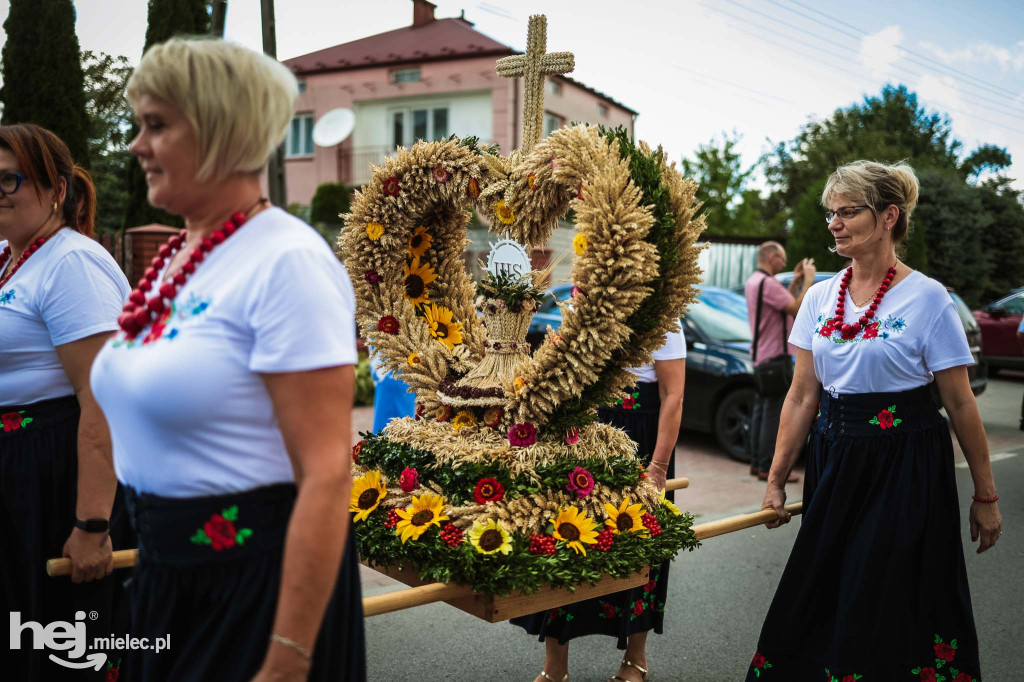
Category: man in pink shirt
[778,307]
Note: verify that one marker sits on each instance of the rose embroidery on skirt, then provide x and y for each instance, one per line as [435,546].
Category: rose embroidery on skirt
[884,419]
[220,533]
[759,664]
[13,421]
[944,654]
[629,401]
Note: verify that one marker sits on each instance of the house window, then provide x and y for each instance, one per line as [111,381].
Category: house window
[551,123]
[421,123]
[300,136]
[602,109]
[302,87]
[554,87]
[406,75]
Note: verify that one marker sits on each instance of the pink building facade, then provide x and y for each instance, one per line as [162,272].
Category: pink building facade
[426,81]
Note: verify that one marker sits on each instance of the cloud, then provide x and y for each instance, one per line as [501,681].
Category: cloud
[1006,58]
[879,51]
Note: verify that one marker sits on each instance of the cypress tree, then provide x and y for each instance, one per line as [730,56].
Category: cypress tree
[167,18]
[42,71]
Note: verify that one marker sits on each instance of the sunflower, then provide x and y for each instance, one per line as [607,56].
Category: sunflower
[463,418]
[425,511]
[669,503]
[439,319]
[374,231]
[489,537]
[417,277]
[419,242]
[504,212]
[367,492]
[575,528]
[579,243]
[627,518]
[414,359]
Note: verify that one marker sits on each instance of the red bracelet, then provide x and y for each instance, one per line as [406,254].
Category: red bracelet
[985,500]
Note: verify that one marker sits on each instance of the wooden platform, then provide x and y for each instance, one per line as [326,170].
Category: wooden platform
[496,609]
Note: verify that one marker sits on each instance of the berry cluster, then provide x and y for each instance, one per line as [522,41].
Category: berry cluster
[605,539]
[651,522]
[393,519]
[451,534]
[542,544]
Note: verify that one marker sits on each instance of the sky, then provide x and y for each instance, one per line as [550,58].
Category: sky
[696,69]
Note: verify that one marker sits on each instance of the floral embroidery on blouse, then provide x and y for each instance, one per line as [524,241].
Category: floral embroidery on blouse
[168,324]
[13,421]
[759,664]
[945,653]
[220,533]
[885,420]
[831,329]
[6,297]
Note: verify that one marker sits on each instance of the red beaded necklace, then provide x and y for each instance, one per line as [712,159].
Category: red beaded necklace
[851,330]
[139,311]
[33,247]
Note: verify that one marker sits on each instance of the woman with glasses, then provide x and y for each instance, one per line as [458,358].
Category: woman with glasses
[876,586]
[60,295]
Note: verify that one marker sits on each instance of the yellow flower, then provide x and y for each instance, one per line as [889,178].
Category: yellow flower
[417,277]
[489,537]
[504,212]
[627,518]
[419,242]
[668,503]
[531,180]
[425,511]
[579,243]
[414,360]
[575,528]
[439,319]
[463,418]
[367,492]
[518,384]
[374,230]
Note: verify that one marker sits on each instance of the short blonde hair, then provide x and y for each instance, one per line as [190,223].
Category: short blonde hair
[239,102]
[878,185]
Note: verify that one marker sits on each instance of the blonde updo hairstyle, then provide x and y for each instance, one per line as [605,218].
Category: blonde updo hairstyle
[239,102]
[878,186]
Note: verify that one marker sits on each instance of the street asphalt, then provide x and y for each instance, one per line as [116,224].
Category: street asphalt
[720,593]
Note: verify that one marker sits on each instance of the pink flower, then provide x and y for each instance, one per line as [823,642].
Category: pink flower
[408,479]
[572,435]
[522,435]
[580,482]
[440,174]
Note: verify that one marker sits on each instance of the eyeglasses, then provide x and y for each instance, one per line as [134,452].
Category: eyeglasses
[10,183]
[844,212]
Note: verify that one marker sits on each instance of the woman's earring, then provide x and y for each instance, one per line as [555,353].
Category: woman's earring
[56,208]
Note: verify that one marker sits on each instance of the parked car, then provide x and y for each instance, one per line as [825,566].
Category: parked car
[719,392]
[999,321]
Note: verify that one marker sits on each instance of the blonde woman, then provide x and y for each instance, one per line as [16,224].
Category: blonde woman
[229,390]
[876,586]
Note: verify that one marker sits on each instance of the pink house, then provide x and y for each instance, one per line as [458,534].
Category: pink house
[426,81]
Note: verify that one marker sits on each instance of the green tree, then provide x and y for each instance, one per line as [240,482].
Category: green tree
[110,120]
[42,72]
[167,18]
[329,202]
[1002,237]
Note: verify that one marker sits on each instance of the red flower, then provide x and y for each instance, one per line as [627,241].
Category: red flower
[942,650]
[638,607]
[408,479]
[11,420]
[828,328]
[758,661]
[628,402]
[609,610]
[392,186]
[443,413]
[473,189]
[488,490]
[372,277]
[388,324]
[849,678]
[111,675]
[927,675]
[871,331]
[356,449]
[221,532]
[419,411]
[963,677]
[885,422]
[651,584]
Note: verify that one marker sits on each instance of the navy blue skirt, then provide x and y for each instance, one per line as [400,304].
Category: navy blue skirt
[628,612]
[208,577]
[876,586]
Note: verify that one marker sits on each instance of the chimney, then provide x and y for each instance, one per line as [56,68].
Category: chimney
[422,12]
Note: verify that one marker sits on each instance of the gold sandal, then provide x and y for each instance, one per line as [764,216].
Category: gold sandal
[631,664]
[551,679]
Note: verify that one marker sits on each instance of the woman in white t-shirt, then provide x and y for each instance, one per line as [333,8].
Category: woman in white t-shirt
[60,294]
[650,414]
[229,391]
[876,585]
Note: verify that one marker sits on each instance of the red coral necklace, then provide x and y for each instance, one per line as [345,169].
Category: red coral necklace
[21,261]
[851,330]
[139,311]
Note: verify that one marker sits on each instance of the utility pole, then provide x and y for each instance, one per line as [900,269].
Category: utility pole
[220,12]
[275,169]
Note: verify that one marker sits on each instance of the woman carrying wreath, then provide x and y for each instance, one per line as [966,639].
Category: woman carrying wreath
[650,414]
[60,295]
[876,585]
[229,391]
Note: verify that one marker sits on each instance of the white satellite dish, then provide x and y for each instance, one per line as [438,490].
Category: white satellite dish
[334,127]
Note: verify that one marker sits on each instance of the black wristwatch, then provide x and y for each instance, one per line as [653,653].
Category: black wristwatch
[93,525]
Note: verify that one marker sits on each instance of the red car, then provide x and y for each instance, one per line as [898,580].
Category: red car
[999,322]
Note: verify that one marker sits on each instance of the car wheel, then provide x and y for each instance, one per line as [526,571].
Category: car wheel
[732,423]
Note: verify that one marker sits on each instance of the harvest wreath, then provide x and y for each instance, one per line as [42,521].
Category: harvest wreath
[504,480]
